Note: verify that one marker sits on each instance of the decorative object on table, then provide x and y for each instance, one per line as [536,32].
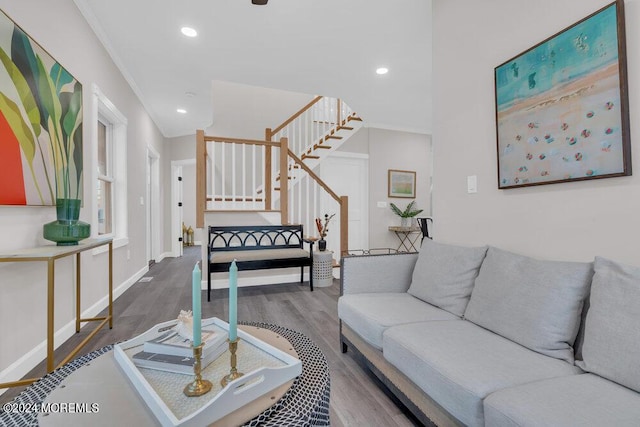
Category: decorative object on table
[233,326]
[178,341]
[190,236]
[406,214]
[40,128]
[199,386]
[323,229]
[268,368]
[402,184]
[562,106]
[185,235]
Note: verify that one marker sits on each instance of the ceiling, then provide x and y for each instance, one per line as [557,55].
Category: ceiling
[317,47]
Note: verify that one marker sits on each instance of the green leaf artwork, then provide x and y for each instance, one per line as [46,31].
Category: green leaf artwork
[41,123]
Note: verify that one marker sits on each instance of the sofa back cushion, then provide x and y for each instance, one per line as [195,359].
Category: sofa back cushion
[444,275]
[532,302]
[611,346]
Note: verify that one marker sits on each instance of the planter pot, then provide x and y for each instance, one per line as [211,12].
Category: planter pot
[67,230]
[405,222]
[322,245]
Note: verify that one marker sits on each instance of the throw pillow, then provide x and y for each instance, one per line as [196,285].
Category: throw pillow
[611,346]
[444,275]
[534,303]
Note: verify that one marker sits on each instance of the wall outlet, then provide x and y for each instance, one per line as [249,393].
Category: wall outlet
[382,204]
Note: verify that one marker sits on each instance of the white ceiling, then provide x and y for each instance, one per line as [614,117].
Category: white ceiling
[323,47]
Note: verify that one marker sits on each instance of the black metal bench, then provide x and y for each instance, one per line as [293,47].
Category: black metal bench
[258,247]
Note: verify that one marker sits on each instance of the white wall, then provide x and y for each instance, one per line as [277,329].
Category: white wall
[59,27]
[402,151]
[570,221]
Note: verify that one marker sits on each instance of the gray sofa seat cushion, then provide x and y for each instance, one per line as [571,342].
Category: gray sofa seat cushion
[258,255]
[532,302]
[611,346]
[580,400]
[369,315]
[444,275]
[458,364]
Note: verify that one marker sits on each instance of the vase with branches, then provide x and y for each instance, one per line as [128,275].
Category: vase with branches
[323,229]
[409,212]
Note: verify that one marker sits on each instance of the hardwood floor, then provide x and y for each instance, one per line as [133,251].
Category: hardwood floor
[356,399]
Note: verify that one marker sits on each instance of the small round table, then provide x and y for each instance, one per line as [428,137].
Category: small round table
[322,269]
[408,237]
[305,403]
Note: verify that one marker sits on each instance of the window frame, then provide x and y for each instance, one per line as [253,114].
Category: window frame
[103,110]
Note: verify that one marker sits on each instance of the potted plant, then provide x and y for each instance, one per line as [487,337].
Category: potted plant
[406,214]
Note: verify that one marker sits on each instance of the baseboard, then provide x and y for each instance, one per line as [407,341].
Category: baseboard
[255,280]
[164,255]
[26,363]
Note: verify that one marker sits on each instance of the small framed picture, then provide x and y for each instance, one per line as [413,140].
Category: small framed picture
[402,184]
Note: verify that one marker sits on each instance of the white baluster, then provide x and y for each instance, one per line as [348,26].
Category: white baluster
[223,174]
[253,176]
[234,168]
[244,176]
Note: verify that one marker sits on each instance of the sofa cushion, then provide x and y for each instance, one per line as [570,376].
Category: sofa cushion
[579,400]
[444,275]
[370,314]
[458,364]
[611,346]
[532,302]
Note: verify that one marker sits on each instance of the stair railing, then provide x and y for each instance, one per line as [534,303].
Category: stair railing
[229,170]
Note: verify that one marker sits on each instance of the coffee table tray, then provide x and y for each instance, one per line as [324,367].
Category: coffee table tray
[265,368]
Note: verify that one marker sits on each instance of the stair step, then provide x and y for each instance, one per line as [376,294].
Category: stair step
[357,119]
[278,178]
[316,146]
[345,128]
[236,199]
[307,156]
[296,166]
[333,137]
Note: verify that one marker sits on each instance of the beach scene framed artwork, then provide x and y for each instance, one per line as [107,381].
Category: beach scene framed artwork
[401,184]
[562,109]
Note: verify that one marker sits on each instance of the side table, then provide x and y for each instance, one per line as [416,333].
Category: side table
[408,237]
[322,269]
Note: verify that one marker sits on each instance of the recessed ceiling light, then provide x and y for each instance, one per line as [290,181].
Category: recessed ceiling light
[181,111]
[382,70]
[188,31]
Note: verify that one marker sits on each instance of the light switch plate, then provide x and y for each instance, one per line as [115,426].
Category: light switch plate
[472,184]
[382,204]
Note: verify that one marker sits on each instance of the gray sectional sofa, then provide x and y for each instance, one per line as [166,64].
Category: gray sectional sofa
[482,336]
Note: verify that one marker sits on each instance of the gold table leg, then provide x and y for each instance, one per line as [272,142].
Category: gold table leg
[50,317]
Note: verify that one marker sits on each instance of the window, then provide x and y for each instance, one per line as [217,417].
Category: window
[109,216]
[104,193]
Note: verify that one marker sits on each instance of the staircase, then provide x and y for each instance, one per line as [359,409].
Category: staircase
[245,175]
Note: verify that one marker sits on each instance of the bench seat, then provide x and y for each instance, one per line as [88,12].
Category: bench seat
[257,255]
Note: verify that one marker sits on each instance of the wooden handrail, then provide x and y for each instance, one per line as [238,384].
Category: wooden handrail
[296,115]
[314,176]
[241,141]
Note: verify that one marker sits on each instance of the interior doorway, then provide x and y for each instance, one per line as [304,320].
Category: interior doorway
[347,174]
[153,205]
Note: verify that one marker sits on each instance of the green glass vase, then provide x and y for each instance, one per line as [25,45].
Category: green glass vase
[67,230]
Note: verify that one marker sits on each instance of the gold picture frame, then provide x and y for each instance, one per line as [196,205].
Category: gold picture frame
[402,184]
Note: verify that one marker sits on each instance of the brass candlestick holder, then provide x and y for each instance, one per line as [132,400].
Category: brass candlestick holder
[233,374]
[199,386]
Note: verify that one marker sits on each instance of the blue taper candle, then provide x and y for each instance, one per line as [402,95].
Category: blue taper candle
[233,301]
[197,306]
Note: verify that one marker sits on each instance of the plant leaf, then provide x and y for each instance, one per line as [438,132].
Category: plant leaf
[19,127]
[25,60]
[24,92]
[60,77]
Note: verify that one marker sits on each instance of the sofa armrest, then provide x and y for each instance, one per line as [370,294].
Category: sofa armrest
[376,273]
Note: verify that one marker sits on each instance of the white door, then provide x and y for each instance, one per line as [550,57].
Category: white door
[347,175]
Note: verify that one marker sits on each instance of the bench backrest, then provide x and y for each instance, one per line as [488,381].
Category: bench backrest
[255,237]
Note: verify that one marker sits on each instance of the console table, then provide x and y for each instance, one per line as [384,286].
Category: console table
[49,254]
[97,379]
[408,237]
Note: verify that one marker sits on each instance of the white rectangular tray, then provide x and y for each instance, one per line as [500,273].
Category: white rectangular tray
[163,391]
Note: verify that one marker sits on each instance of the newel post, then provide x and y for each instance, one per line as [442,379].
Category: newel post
[344,225]
[268,179]
[284,181]
[201,176]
